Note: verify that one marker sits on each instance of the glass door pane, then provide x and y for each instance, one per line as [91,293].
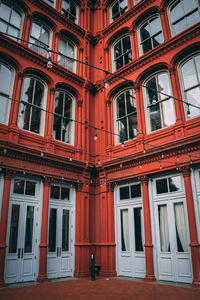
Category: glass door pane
[65,230]
[181,235]
[52,230]
[14,225]
[29,229]
[125,239]
[138,229]
[164,228]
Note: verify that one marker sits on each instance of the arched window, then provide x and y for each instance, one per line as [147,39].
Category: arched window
[39,36]
[70,10]
[5,92]
[50,2]
[126,124]
[183,14]
[117,9]
[64,113]
[160,108]
[190,73]
[150,34]
[68,48]
[10,19]
[136,1]
[122,52]
[31,110]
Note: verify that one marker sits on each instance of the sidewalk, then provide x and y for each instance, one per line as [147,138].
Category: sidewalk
[102,288]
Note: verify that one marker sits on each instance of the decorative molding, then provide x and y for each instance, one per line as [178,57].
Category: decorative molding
[8,174]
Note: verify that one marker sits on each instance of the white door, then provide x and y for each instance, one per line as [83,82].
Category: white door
[130,232]
[172,234]
[60,233]
[21,241]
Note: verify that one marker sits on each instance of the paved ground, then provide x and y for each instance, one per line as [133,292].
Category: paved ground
[102,288]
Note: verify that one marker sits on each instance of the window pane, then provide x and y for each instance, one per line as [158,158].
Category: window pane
[52,230]
[189,74]
[122,129]
[155,26]
[15,19]
[14,229]
[121,112]
[124,193]
[30,188]
[118,49]
[35,30]
[174,184]
[64,193]
[180,26]
[119,63]
[132,125]
[147,45]
[125,239]
[5,78]
[176,12]
[157,40]
[126,44]
[138,229]
[189,5]
[181,234]
[65,230]
[3,110]
[145,32]
[193,98]
[18,186]
[4,12]
[13,31]
[55,192]
[193,18]
[136,190]
[35,120]
[161,186]
[164,228]
[29,230]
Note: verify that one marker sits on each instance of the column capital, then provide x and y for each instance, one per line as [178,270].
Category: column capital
[172,70]
[110,187]
[47,180]
[80,102]
[8,174]
[79,187]
[143,179]
[185,170]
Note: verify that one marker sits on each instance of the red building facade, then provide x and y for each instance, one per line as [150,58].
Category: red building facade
[84,169]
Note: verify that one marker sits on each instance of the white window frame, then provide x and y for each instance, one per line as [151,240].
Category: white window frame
[146,102]
[77,11]
[185,60]
[72,131]
[43,106]
[75,52]
[110,10]
[185,16]
[112,51]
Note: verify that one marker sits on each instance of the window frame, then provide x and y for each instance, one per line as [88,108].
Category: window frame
[43,106]
[116,118]
[113,53]
[72,125]
[148,20]
[53,4]
[119,12]
[77,11]
[67,39]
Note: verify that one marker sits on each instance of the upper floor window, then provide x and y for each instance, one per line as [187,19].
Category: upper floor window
[10,19]
[5,91]
[126,124]
[50,2]
[190,71]
[68,48]
[150,34]
[183,14]
[31,110]
[70,10]
[64,113]
[161,112]
[117,9]
[122,53]
[40,37]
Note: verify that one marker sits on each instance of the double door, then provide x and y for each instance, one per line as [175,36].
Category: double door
[60,239]
[22,239]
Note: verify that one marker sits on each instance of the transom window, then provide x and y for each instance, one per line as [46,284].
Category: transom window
[191,84]
[151,34]
[24,187]
[126,116]
[168,185]
[40,37]
[59,192]
[5,87]
[122,53]
[117,9]
[31,114]
[62,123]
[67,48]
[10,19]
[70,10]
[161,111]
[130,191]
[184,14]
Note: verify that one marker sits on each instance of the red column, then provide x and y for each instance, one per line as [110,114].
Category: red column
[42,277]
[147,228]
[165,27]
[3,223]
[192,227]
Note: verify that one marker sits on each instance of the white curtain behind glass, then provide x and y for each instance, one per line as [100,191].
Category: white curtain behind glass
[164,229]
[180,225]
[125,224]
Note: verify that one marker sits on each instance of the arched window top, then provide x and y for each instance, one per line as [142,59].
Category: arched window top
[11,19]
[150,34]
[121,52]
[117,8]
[183,14]
[50,2]
[69,9]
[67,48]
[40,37]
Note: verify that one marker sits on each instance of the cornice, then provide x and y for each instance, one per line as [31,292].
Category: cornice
[126,17]
[173,43]
[52,12]
[34,57]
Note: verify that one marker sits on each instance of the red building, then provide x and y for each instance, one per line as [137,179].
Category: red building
[84,169]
